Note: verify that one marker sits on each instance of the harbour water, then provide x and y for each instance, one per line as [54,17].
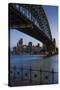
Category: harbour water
[52,61]
[36,62]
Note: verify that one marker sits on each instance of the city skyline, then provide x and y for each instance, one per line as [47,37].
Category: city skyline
[51,11]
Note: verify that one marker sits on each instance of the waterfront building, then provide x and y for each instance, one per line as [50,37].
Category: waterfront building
[29,48]
[20,46]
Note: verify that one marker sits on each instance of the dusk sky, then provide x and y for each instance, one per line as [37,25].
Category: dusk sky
[52,15]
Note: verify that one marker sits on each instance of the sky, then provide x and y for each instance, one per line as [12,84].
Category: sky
[52,15]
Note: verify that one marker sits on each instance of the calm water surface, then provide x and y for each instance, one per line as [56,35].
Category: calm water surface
[50,62]
[37,62]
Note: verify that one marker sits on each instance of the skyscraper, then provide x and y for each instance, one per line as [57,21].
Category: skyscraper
[21,41]
[30,47]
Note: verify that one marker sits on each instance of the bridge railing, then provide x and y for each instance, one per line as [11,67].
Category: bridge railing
[33,75]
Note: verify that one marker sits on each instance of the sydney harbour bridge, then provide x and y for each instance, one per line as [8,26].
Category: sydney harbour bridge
[31,20]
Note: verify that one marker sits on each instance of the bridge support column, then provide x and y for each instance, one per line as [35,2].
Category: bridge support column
[49,49]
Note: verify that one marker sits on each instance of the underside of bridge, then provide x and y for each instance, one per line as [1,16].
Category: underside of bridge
[19,22]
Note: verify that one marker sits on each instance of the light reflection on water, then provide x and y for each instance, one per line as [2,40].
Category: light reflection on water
[37,62]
